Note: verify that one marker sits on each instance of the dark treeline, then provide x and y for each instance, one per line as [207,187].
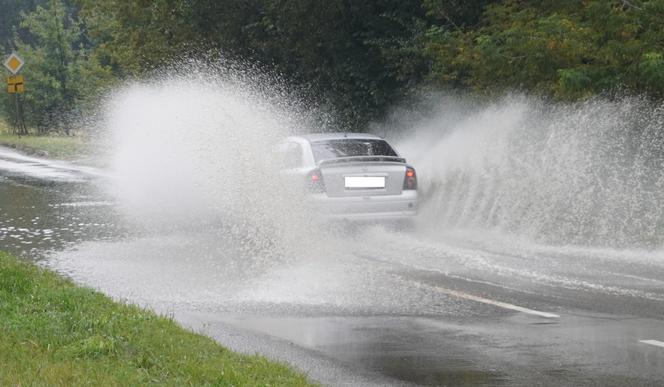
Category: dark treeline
[354,58]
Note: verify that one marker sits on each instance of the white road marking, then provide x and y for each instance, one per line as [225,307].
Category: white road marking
[656,343]
[499,304]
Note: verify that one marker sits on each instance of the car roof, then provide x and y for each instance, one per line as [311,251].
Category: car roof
[314,137]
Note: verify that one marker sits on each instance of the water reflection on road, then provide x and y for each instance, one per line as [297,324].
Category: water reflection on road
[47,206]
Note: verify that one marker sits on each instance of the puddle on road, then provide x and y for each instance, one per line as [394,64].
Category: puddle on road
[396,347]
[587,350]
[41,216]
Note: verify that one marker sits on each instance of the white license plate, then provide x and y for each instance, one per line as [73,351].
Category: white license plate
[354,182]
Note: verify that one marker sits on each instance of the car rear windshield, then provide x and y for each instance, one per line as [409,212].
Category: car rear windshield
[331,149]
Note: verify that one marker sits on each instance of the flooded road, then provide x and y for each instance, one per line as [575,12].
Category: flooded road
[50,205]
[368,307]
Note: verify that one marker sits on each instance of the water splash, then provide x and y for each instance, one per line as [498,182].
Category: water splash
[590,173]
[198,151]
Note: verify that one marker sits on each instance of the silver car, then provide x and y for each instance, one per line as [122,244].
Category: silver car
[352,176]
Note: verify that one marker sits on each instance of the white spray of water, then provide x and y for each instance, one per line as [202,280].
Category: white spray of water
[191,151]
[194,163]
[588,174]
[199,151]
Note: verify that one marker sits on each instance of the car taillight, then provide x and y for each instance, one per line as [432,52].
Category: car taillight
[410,181]
[315,181]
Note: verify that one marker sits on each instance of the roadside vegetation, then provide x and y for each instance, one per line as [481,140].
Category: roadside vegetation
[56,146]
[355,60]
[55,333]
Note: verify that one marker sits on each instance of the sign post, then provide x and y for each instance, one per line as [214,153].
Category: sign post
[16,86]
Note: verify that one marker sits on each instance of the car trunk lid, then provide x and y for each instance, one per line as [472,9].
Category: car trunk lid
[363,176]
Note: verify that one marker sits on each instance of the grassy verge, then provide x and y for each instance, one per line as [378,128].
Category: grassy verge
[53,146]
[53,332]
[57,147]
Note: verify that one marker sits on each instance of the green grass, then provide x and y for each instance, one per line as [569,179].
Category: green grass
[52,146]
[56,147]
[53,332]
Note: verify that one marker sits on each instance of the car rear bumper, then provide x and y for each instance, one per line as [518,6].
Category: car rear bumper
[366,208]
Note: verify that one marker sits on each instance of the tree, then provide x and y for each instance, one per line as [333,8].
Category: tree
[354,58]
[10,18]
[60,72]
[135,36]
[568,49]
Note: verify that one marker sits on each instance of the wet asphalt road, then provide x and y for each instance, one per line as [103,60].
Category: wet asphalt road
[372,306]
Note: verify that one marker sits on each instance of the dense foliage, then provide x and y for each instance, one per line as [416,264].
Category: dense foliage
[356,59]
[61,71]
[569,49]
